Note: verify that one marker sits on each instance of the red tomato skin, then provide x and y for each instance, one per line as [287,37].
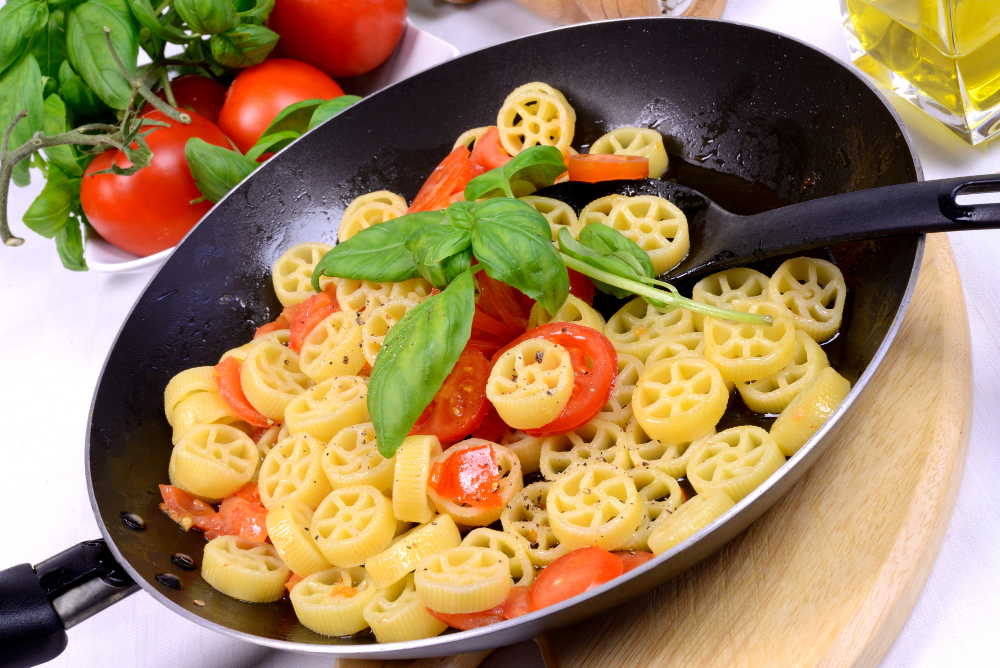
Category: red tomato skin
[633,559]
[517,602]
[193,92]
[571,574]
[489,153]
[439,418]
[592,168]
[310,313]
[581,287]
[470,620]
[469,476]
[227,382]
[492,427]
[151,210]
[344,38]
[259,93]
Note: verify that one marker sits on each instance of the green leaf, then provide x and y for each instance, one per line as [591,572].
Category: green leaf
[78,96]
[146,15]
[254,11]
[440,252]
[538,166]
[272,144]
[49,213]
[609,263]
[378,253]
[417,355]
[610,242]
[331,108]
[460,215]
[514,243]
[54,123]
[20,89]
[48,46]
[19,21]
[208,16]
[88,50]
[295,117]
[216,170]
[69,244]
[244,46]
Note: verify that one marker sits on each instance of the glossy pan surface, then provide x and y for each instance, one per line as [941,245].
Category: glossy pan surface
[791,121]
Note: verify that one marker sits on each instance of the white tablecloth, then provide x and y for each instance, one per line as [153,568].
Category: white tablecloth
[57,327]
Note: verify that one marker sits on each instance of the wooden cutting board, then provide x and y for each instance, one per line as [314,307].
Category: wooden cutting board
[827,577]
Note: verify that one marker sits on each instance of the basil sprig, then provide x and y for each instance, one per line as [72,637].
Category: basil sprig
[538,165]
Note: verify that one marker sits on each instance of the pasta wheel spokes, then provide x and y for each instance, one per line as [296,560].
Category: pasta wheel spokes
[596,504]
[559,214]
[271,378]
[656,225]
[744,352]
[521,569]
[596,441]
[378,323]
[531,383]
[661,495]
[333,347]
[292,272]
[212,461]
[736,460]
[813,292]
[721,288]
[680,399]
[773,393]
[648,452]
[327,408]
[352,458]
[526,517]
[531,118]
[353,524]
[639,327]
[292,470]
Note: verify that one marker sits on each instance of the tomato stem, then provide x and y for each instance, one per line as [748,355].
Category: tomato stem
[167,89]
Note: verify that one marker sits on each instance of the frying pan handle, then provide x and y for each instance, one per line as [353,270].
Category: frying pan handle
[38,604]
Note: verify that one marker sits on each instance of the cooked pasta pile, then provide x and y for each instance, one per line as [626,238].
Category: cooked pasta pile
[406,545]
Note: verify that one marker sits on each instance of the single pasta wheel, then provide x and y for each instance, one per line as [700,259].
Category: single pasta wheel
[661,496]
[647,452]
[463,580]
[271,378]
[721,288]
[559,214]
[573,310]
[396,614]
[809,411]
[333,347]
[201,408]
[644,142]
[527,449]
[530,118]
[364,296]
[292,273]
[639,327]
[281,336]
[292,470]
[679,400]
[542,87]
[510,484]
[743,352]
[409,484]
[596,504]
[656,225]
[736,460]
[332,602]
[327,408]
[469,138]
[212,461]
[353,524]
[368,210]
[379,321]
[408,550]
[522,571]
[813,293]
[352,458]
[693,516]
[288,528]
[530,383]
[526,517]
[598,211]
[596,441]
[244,569]
[619,407]
[773,393]
[185,384]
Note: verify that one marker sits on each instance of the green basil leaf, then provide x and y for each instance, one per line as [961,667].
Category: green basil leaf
[272,143]
[50,211]
[88,50]
[331,108]
[417,355]
[54,123]
[216,170]
[69,245]
[514,243]
[538,166]
[441,252]
[208,16]
[460,215]
[611,264]
[378,253]
[48,46]
[243,46]
[146,15]
[19,21]
[254,11]
[295,117]
[20,89]
[78,96]
[608,241]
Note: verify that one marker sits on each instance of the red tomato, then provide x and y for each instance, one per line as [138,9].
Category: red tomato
[177,504]
[343,38]
[259,93]
[292,581]
[581,287]
[469,476]
[460,405]
[280,323]
[517,602]
[571,574]
[471,620]
[151,210]
[227,380]
[449,177]
[193,92]
[309,313]
[489,153]
[594,167]
[239,516]
[501,315]
[595,369]
[492,428]
[633,558]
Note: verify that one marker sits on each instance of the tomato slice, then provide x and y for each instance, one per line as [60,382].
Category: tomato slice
[471,620]
[448,178]
[460,405]
[292,581]
[310,313]
[581,287]
[469,476]
[240,517]
[594,167]
[489,153]
[571,574]
[517,602]
[501,315]
[595,369]
[492,428]
[227,380]
[187,509]
[633,558]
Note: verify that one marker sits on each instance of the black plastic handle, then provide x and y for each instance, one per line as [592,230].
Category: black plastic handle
[38,604]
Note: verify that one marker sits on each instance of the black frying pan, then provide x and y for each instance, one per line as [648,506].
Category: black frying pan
[754,120]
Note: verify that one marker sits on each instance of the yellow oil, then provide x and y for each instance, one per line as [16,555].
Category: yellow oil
[949,50]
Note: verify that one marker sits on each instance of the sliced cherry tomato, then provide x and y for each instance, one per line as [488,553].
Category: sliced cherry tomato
[292,581]
[227,380]
[581,287]
[447,179]
[279,324]
[501,315]
[571,574]
[310,313]
[469,476]
[460,405]
[594,167]
[633,558]
[489,153]
[492,428]
[179,505]
[595,369]
[471,620]
[240,517]
[517,602]
[249,492]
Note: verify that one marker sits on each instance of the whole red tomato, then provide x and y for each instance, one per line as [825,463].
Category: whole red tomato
[151,210]
[202,95]
[258,93]
[343,38]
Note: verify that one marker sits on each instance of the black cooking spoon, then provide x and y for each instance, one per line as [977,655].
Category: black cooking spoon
[720,239]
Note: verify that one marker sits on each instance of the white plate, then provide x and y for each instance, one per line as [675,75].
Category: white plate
[417,50]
